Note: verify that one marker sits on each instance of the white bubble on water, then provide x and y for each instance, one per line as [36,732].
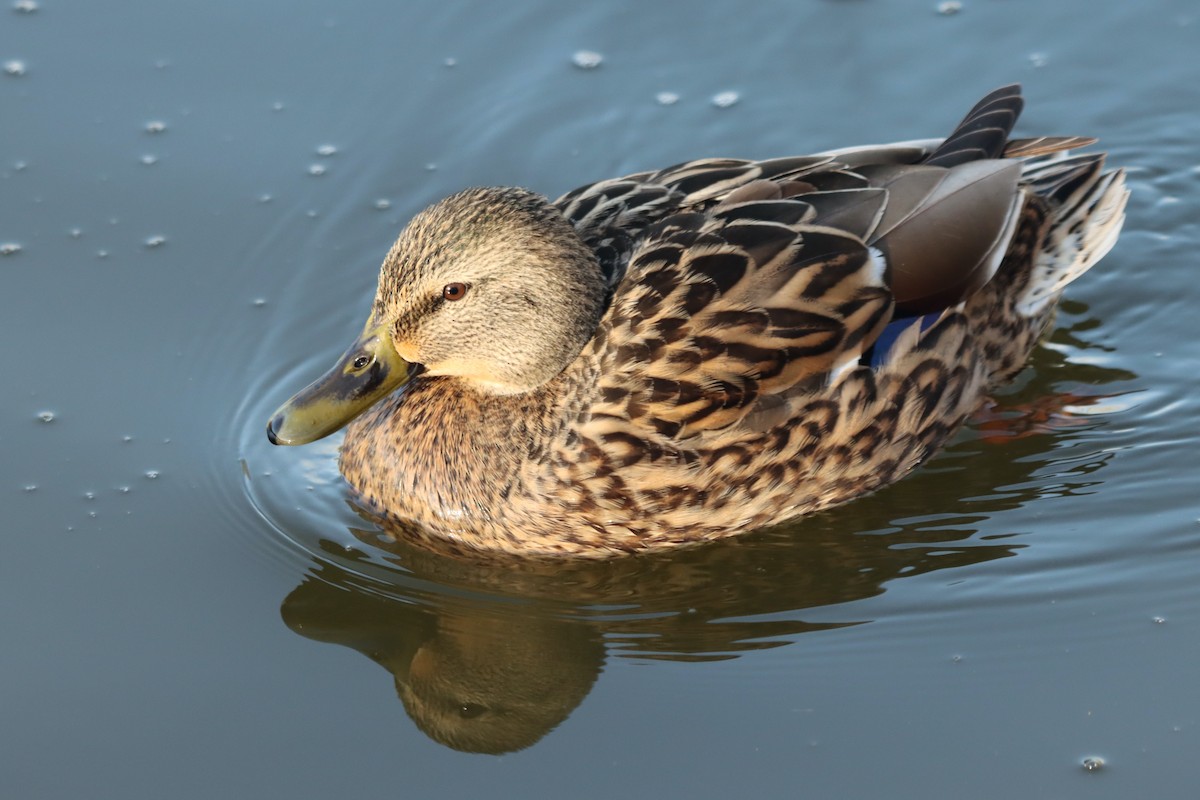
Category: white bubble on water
[666,98]
[587,59]
[156,126]
[316,170]
[9,248]
[155,241]
[725,99]
[327,150]
[949,7]
[15,68]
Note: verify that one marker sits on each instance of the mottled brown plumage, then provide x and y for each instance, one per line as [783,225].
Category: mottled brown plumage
[680,355]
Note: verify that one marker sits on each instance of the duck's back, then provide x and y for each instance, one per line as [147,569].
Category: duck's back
[785,335]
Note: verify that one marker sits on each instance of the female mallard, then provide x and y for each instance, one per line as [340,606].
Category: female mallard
[680,355]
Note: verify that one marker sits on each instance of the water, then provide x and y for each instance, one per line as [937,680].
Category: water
[1018,613]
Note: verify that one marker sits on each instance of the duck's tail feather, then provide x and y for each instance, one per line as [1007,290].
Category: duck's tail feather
[1087,210]
[983,132]
[1023,148]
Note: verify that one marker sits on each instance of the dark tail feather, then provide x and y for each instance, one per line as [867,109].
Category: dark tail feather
[984,131]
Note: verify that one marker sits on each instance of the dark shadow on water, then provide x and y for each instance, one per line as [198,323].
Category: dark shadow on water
[489,656]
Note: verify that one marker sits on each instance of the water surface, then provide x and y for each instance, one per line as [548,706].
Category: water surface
[198,196]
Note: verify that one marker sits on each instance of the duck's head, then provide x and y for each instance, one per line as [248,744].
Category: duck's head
[491,286]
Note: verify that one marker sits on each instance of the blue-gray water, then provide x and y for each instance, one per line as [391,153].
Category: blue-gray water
[187,612]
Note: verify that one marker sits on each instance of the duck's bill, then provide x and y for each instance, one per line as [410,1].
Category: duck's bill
[365,374]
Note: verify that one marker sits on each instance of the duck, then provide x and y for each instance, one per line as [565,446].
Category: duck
[680,355]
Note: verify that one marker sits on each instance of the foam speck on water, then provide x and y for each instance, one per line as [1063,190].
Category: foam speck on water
[587,59]
[725,99]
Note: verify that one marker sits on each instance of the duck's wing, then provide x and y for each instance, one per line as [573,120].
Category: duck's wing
[779,286]
[762,280]
[752,298]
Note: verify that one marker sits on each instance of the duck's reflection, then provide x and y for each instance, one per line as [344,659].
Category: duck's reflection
[471,675]
[488,656]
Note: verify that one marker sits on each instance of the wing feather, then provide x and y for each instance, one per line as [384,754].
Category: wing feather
[720,312]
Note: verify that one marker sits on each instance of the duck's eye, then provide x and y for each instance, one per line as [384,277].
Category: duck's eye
[454,291]
[362,361]
[471,710]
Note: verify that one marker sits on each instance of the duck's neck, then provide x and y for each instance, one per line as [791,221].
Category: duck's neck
[445,450]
